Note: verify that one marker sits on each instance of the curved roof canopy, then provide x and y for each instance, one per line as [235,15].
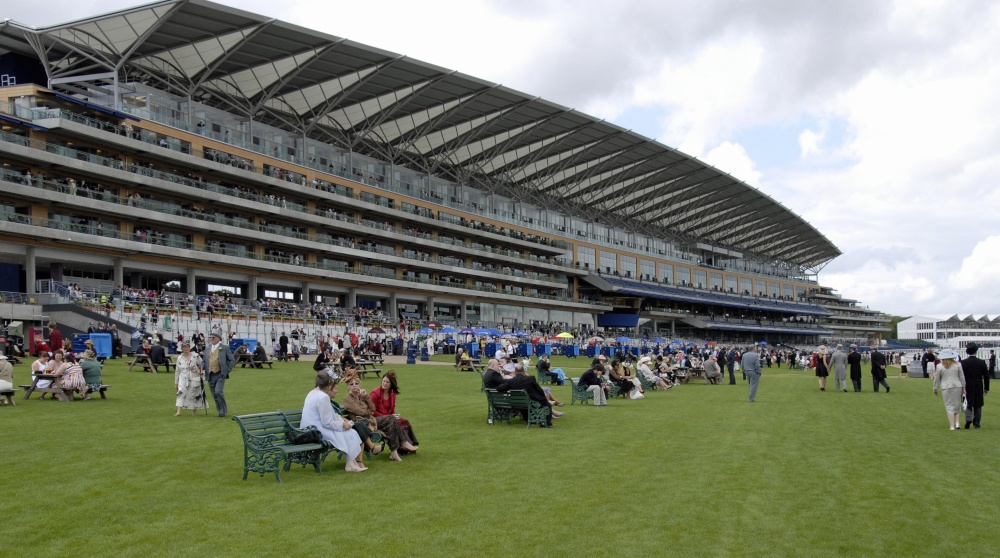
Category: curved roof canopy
[421,116]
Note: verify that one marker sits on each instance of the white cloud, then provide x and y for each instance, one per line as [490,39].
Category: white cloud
[809,143]
[979,271]
[732,158]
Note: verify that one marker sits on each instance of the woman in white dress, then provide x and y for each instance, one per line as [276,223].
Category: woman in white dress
[317,411]
[951,379]
[189,381]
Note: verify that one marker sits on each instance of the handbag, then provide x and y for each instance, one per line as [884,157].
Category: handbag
[307,435]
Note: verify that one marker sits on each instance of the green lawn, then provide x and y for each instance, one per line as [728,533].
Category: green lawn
[696,471]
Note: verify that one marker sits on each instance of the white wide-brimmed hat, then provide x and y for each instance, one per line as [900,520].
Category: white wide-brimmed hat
[947,353]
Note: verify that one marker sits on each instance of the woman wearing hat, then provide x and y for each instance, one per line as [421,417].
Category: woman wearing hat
[6,374]
[822,366]
[189,381]
[951,380]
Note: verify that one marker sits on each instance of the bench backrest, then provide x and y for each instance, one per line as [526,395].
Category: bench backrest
[263,424]
[513,399]
[292,417]
[519,399]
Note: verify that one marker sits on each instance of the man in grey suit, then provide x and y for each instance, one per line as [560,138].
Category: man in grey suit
[219,363]
[751,368]
[838,361]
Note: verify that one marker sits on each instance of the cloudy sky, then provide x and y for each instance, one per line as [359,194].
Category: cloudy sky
[878,122]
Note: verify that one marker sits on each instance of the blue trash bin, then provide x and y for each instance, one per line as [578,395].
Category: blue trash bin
[424,356]
[411,355]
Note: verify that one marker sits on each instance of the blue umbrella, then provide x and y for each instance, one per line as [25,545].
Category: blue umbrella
[659,340]
[692,344]
[467,330]
[448,329]
[425,331]
[492,331]
[676,342]
[481,331]
[623,339]
[521,333]
[762,343]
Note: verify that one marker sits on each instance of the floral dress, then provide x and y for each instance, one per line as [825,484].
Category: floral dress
[190,384]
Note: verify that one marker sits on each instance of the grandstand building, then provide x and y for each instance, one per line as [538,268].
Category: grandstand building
[951,332]
[848,321]
[191,147]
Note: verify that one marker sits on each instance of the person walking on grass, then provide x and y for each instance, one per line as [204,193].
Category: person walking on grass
[977,385]
[751,369]
[854,361]
[951,380]
[878,370]
[838,361]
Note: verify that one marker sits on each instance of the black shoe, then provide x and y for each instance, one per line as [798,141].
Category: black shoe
[968,423]
[976,425]
[887,389]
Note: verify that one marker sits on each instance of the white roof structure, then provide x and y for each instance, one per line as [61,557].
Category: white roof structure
[414,114]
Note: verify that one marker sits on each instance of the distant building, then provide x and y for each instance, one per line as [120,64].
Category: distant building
[849,321]
[952,331]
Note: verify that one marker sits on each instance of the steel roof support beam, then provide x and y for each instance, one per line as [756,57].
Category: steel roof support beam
[203,76]
[407,140]
[447,149]
[344,93]
[266,96]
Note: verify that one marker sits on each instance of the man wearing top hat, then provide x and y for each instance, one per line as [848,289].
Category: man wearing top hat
[219,363]
[854,362]
[977,385]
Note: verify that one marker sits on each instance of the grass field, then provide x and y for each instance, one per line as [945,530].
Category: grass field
[696,471]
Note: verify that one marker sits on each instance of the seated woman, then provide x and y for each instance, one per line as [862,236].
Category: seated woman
[361,408]
[71,376]
[41,366]
[347,360]
[545,367]
[384,399]
[317,411]
[91,373]
[6,375]
[644,371]
[621,377]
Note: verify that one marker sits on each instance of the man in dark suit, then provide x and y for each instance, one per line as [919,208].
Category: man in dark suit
[158,356]
[219,363]
[731,364]
[977,385]
[854,363]
[259,356]
[492,378]
[282,347]
[531,387]
[878,370]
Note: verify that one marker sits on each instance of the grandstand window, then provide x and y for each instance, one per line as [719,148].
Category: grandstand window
[731,285]
[647,270]
[800,293]
[609,262]
[773,289]
[667,273]
[700,278]
[746,286]
[760,287]
[281,295]
[787,291]
[238,291]
[684,276]
[628,266]
[715,281]
[587,257]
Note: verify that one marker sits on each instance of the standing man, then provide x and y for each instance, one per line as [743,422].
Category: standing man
[730,364]
[878,370]
[854,360]
[839,363]
[928,357]
[751,370]
[977,385]
[220,363]
[283,347]
[992,362]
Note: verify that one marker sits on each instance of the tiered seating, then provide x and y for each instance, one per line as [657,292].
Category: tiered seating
[666,292]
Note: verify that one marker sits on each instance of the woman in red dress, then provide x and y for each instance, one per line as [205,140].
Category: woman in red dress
[384,398]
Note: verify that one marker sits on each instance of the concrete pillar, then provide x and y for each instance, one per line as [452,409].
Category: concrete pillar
[29,270]
[393,310]
[192,284]
[429,307]
[306,293]
[251,293]
[135,280]
[119,272]
[352,299]
[56,271]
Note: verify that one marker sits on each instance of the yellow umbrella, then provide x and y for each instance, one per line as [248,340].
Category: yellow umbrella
[564,335]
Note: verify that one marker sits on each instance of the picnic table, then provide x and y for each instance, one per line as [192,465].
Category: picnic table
[58,392]
[374,357]
[471,365]
[143,360]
